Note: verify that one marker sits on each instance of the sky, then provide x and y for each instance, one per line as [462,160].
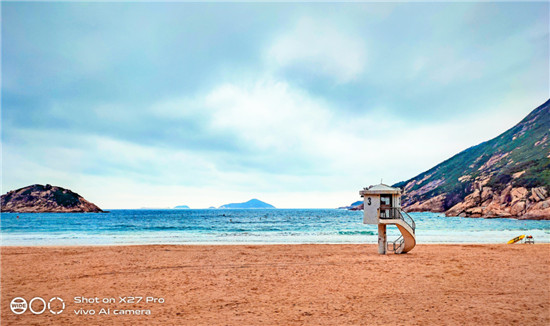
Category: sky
[300,105]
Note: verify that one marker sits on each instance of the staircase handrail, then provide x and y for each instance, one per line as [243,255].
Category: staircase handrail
[398,213]
[397,246]
[408,219]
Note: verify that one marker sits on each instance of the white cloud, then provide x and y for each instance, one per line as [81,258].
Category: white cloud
[321,48]
[269,114]
[299,152]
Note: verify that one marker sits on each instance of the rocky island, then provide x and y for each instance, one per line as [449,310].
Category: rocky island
[46,199]
[253,203]
[508,176]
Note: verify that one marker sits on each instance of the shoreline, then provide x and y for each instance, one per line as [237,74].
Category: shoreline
[237,244]
[314,284]
[489,217]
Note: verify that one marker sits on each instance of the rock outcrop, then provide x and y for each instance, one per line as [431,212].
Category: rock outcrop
[510,202]
[45,199]
[508,176]
[435,204]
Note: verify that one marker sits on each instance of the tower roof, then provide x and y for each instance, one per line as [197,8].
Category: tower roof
[379,189]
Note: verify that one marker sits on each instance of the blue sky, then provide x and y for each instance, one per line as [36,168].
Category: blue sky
[300,105]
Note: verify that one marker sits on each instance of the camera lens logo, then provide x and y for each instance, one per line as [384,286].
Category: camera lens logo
[56,305]
[18,305]
[56,312]
[37,312]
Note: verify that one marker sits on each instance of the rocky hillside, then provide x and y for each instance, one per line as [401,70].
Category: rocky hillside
[508,176]
[42,199]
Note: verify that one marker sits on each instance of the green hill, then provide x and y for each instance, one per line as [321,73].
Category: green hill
[505,176]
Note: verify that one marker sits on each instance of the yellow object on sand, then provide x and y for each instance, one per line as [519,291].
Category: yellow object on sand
[516,239]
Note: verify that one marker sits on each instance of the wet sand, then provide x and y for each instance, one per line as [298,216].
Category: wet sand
[281,284]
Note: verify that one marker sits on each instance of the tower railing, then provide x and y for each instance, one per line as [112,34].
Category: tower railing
[392,213]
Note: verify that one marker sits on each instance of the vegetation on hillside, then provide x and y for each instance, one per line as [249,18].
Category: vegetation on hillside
[519,157]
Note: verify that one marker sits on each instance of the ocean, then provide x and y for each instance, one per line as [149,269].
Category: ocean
[246,226]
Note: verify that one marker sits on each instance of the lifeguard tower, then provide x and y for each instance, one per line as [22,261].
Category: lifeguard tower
[382,206]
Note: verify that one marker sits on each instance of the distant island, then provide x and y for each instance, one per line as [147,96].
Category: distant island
[253,203]
[508,176]
[353,206]
[46,199]
[181,207]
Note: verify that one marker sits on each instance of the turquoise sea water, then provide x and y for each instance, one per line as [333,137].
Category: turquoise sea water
[247,226]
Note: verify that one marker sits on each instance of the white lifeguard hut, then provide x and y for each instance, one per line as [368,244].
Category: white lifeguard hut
[382,206]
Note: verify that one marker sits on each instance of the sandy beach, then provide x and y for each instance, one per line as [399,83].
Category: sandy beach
[279,284]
